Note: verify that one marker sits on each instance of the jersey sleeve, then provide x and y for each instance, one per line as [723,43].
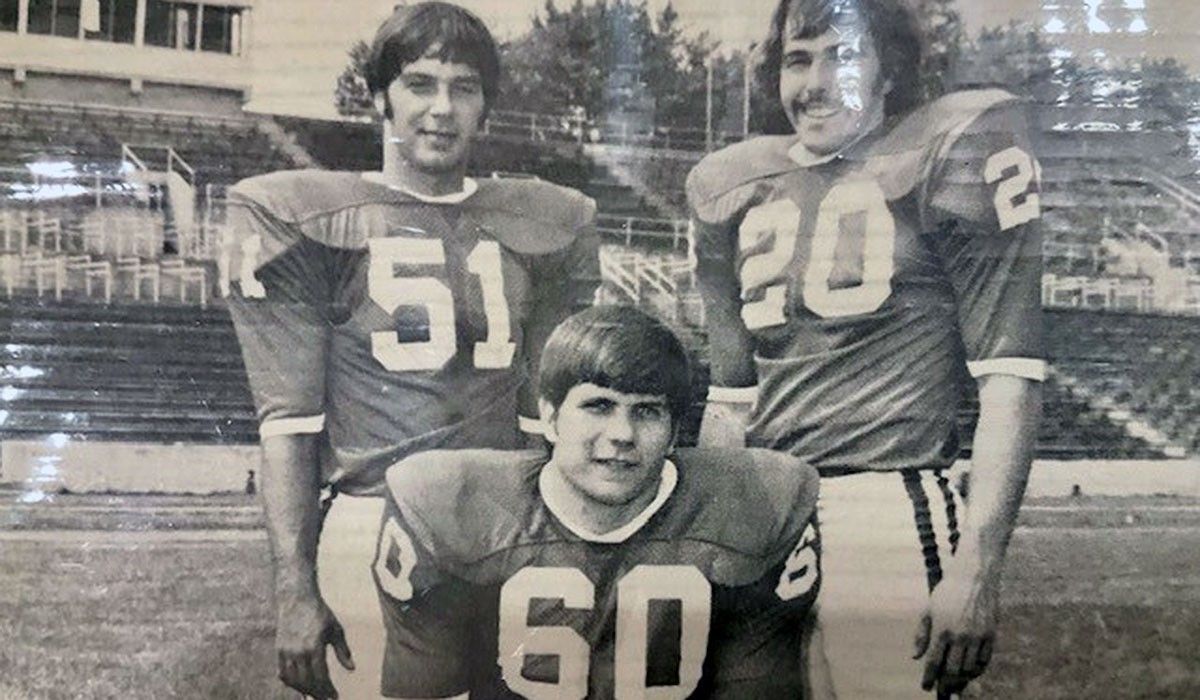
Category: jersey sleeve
[985,217]
[713,228]
[563,284]
[427,616]
[279,299]
[764,654]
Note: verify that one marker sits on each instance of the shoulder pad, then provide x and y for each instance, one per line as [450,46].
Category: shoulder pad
[910,150]
[532,217]
[753,501]
[943,119]
[296,195]
[463,505]
[717,186]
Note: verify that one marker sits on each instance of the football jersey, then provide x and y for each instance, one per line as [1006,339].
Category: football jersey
[392,323]
[854,289]
[704,594]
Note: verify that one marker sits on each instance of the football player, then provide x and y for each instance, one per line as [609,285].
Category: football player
[615,567]
[383,314]
[854,272]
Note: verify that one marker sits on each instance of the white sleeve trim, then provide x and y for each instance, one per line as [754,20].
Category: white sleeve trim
[301,425]
[1025,367]
[733,394]
[532,426]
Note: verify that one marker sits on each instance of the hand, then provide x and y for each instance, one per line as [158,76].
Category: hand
[957,631]
[303,628]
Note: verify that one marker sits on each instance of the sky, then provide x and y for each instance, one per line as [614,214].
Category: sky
[299,46]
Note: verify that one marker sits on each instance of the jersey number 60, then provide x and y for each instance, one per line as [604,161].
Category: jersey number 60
[635,590]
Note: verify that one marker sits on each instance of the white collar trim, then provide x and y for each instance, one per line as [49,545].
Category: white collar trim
[470,186]
[551,489]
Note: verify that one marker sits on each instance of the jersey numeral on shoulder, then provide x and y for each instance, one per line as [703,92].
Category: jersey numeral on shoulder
[801,568]
[635,591]
[1016,203]
[395,550]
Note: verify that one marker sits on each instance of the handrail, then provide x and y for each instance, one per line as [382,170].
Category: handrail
[174,158]
[127,155]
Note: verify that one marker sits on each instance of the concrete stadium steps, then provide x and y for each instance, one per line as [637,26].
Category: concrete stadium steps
[222,150]
[1140,369]
[232,399]
[1070,429]
[131,373]
[121,426]
[112,350]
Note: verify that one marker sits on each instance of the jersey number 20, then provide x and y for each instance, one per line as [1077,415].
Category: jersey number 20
[771,230]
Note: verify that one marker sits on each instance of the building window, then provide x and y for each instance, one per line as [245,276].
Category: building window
[9,11]
[57,17]
[117,21]
[171,24]
[222,29]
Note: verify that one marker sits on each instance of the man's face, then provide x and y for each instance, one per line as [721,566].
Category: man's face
[437,108]
[830,86]
[610,446]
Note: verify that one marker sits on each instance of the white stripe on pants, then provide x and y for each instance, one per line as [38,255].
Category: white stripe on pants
[876,575]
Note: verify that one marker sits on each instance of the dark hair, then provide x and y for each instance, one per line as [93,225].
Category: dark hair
[891,26]
[412,30]
[619,348]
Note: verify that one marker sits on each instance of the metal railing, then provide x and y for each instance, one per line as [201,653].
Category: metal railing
[566,128]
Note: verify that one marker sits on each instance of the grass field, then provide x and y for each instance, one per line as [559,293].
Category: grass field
[168,597]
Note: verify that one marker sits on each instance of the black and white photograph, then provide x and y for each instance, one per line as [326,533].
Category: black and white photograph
[599,349]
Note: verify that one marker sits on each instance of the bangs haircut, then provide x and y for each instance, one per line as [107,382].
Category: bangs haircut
[890,24]
[619,348]
[457,34]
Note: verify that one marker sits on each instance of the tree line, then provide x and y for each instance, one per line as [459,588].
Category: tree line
[608,60]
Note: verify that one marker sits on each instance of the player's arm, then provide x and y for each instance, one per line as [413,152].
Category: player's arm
[962,621]
[563,284]
[275,302]
[304,623]
[988,205]
[732,390]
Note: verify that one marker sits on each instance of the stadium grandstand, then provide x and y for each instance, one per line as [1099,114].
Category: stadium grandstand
[115,158]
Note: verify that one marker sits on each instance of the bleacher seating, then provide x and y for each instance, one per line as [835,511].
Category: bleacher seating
[133,372]
[220,149]
[1140,367]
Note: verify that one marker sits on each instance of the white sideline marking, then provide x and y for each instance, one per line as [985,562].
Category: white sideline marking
[1101,530]
[1114,509]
